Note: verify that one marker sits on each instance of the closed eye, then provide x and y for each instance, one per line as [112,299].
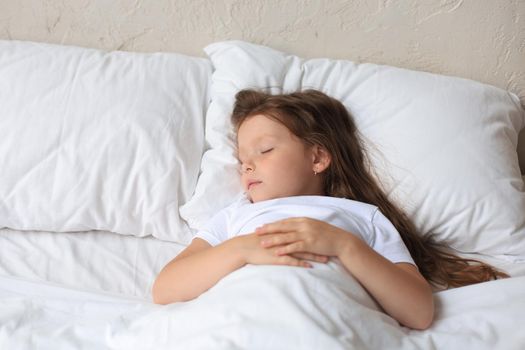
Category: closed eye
[268,150]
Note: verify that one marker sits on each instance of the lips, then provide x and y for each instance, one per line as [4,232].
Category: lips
[252,183]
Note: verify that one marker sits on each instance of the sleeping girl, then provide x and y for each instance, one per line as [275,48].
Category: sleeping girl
[309,196]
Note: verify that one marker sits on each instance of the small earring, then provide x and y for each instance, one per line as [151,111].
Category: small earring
[315,172]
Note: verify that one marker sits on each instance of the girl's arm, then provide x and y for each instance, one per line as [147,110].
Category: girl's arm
[200,266]
[399,288]
[195,270]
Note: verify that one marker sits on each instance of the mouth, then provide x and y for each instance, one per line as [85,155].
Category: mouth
[253,183]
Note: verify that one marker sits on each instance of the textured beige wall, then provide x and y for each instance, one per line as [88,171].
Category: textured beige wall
[477,39]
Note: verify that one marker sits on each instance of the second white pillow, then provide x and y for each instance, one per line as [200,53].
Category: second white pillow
[444,148]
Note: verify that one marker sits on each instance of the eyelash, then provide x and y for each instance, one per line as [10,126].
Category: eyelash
[262,152]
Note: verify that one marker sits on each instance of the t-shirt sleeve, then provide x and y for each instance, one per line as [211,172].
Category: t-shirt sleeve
[215,231]
[387,241]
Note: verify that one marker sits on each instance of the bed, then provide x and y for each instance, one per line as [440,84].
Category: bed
[77,303]
[113,160]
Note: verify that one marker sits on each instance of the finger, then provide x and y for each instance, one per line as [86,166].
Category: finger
[285,225]
[288,260]
[295,247]
[278,239]
[311,256]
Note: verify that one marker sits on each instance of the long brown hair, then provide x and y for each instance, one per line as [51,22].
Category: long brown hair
[318,119]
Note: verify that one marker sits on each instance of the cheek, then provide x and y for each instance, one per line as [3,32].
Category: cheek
[299,163]
[291,167]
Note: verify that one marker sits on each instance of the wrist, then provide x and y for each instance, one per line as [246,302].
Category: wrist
[347,244]
[235,248]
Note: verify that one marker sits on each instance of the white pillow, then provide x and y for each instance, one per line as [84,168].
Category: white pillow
[93,140]
[219,181]
[444,148]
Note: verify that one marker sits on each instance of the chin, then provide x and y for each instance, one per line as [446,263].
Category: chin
[255,199]
[262,197]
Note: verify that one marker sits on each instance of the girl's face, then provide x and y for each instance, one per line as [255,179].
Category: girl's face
[274,162]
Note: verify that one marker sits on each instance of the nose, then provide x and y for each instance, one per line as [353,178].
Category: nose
[246,167]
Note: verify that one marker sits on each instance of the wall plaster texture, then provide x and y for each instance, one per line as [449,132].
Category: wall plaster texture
[482,40]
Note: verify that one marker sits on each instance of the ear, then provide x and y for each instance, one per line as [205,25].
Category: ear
[320,159]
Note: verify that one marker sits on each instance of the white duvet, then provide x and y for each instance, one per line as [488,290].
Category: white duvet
[258,307]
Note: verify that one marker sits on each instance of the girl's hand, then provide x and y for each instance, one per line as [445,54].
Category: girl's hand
[254,253]
[303,236]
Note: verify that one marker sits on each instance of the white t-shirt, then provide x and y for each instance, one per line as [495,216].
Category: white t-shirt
[362,219]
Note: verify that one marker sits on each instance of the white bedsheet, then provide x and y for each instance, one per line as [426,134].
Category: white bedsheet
[91,261]
[108,262]
[258,307]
